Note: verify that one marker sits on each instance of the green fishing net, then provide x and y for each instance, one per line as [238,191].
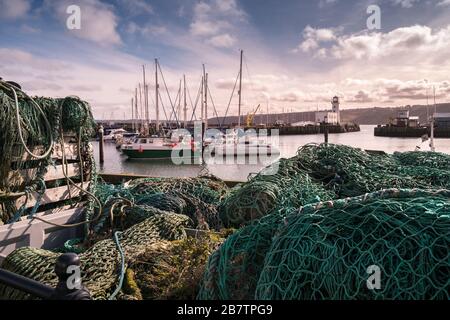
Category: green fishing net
[323,250]
[41,131]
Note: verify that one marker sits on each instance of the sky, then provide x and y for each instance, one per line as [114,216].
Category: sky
[298,54]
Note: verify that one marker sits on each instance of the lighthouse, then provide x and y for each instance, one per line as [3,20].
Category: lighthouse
[335,108]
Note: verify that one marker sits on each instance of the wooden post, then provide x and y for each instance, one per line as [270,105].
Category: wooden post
[325,131]
[101,154]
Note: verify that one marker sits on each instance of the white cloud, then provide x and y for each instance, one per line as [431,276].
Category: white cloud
[206,28]
[137,7]
[405,3]
[7,55]
[444,3]
[222,41]
[361,97]
[414,41]
[98,20]
[148,30]
[323,3]
[214,21]
[14,9]
[314,37]
[29,29]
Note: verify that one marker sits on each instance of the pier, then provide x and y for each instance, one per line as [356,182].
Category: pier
[409,132]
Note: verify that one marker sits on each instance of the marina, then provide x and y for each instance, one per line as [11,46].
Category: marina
[200,154]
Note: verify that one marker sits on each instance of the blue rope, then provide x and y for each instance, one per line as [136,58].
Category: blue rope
[22,209]
[38,201]
[122,271]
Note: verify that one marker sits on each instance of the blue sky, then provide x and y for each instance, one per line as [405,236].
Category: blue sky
[298,54]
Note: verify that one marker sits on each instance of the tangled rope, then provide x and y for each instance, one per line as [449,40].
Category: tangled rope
[323,250]
[101,264]
[29,124]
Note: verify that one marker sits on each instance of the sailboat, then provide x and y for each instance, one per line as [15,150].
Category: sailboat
[159,146]
[236,142]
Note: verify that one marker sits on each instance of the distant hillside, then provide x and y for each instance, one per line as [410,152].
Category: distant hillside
[382,115]
[372,116]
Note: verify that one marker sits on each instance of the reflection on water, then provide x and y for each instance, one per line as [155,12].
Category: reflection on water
[115,162]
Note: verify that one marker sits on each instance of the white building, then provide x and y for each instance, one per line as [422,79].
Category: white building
[331,117]
[326,117]
[335,108]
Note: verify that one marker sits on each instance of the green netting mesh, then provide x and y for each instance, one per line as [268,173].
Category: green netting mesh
[100,263]
[283,184]
[322,250]
[352,172]
[129,203]
[40,131]
[324,253]
[308,230]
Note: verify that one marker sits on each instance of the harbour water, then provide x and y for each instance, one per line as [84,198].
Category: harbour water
[115,162]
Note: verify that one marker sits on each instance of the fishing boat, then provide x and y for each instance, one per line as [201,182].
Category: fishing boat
[159,148]
[114,134]
[125,138]
[236,143]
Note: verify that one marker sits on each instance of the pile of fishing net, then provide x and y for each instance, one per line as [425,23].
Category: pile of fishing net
[136,200]
[171,270]
[310,227]
[351,172]
[152,214]
[324,251]
[283,184]
[100,264]
[37,125]
[326,171]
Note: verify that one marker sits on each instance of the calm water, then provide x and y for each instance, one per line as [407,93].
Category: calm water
[115,162]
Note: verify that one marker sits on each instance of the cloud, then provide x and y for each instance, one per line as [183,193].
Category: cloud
[287,97]
[29,29]
[361,96]
[137,7]
[390,90]
[324,3]
[405,3]
[444,3]
[84,88]
[222,41]
[14,9]
[40,85]
[313,38]
[98,20]
[22,58]
[148,30]
[410,41]
[214,21]
[207,28]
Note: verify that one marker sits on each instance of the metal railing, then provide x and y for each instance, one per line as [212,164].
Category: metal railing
[39,290]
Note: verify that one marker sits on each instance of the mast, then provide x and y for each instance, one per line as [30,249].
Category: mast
[185,103]
[205,76]
[146,113]
[147,108]
[428,111]
[140,97]
[202,100]
[132,114]
[240,91]
[135,101]
[178,117]
[433,149]
[156,95]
